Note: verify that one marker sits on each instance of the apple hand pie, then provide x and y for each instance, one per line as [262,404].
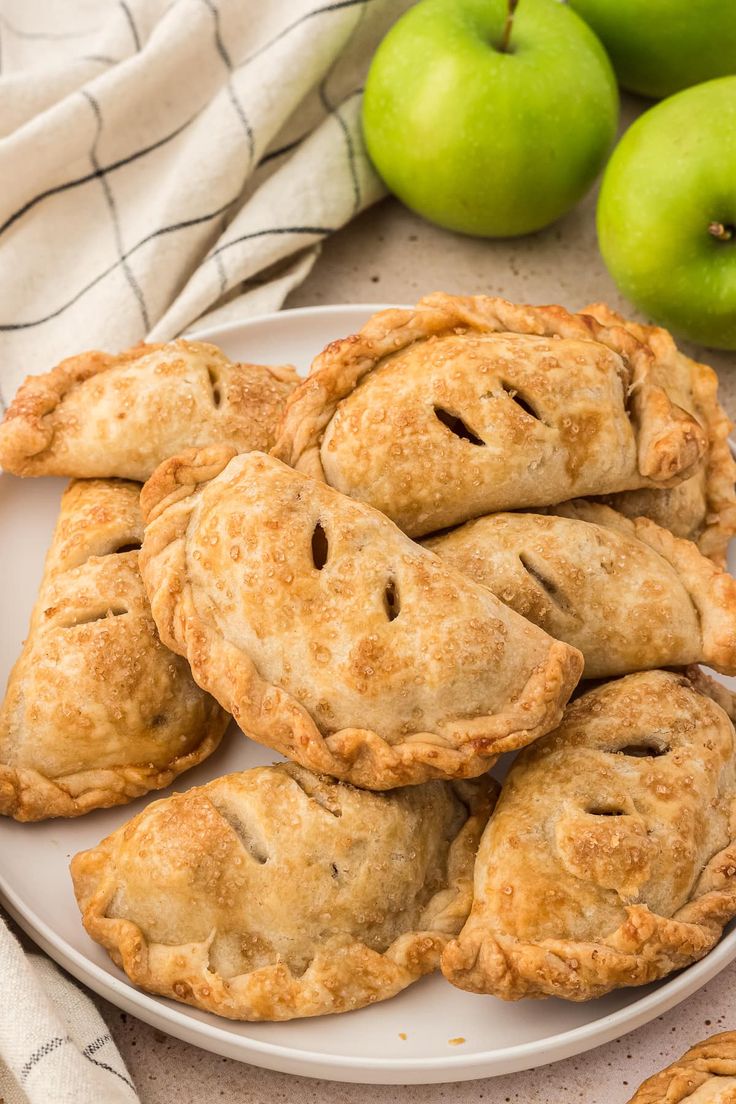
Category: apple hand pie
[102,416]
[706,1074]
[628,594]
[610,860]
[277,893]
[467,406]
[703,507]
[97,710]
[333,638]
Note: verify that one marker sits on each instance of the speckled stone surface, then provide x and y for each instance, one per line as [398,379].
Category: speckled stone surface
[390,255]
[169,1072]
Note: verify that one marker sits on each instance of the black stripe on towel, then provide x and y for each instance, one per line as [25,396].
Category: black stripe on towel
[131,24]
[237,106]
[93,175]
[9,326]
[112,208]
[42,1052]
[322,231]
[337,6]
[89,1051]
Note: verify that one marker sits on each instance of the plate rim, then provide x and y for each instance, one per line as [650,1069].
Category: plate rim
[153,1010]
[215,1037]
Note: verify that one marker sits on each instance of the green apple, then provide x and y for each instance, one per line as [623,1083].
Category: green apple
[667,213]
[661,46]
[487,136]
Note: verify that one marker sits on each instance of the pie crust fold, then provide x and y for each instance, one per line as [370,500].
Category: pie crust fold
[464,406]
[706,1074]
[610,860]
[332,637]
[97,710]
[703,507]
[625,592]
[99,415]
[277,893]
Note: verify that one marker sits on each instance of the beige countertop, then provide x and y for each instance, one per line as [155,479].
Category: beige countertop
[389,255]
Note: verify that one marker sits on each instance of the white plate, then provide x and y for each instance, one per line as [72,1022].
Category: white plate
[364,1046]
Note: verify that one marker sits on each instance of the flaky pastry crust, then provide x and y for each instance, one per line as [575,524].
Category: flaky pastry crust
[97,710]
[703,507]
[98,415]
[465,406]
[277,893]
[610,860]
[332,637]
[706,1074]
[713,688]
[627,593]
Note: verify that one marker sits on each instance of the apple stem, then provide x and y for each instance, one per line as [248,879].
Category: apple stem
[512,5]
[721,232]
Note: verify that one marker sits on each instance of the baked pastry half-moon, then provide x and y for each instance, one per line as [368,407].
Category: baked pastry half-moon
[466,406]
[703,507]
[332,637]
[610,860]
[97,710]
[277,893]
[706,1074]
[627,593]
[97,415]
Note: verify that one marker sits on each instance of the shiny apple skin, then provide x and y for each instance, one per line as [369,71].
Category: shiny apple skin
[672,175]
[486,142]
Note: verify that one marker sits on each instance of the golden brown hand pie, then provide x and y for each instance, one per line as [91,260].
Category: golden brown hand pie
[102,415]
[331,636]
[703,507]
[97,710]
[627,593]
[706,1074]
[467,406]
[278,893]
[610,860]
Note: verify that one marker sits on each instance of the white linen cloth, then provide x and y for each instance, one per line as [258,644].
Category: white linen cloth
[54,1045]
[163,164]
[165,160]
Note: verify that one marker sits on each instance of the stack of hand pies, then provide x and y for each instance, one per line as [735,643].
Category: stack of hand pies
[390,573]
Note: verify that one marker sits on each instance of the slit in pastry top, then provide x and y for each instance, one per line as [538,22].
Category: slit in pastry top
[276,893]
[466,406]
[333,637]
[603,867]
[97,711]
[627,593]
[98,415]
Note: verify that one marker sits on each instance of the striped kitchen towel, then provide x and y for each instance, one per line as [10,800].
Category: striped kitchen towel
[165,163]
[54,1045]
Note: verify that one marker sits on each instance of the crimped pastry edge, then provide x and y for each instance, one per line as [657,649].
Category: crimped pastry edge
[356,755]
[711,590]
[720,466]
[644,948]
[714,1057]
[273,992]
[27,432]
[670,443]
